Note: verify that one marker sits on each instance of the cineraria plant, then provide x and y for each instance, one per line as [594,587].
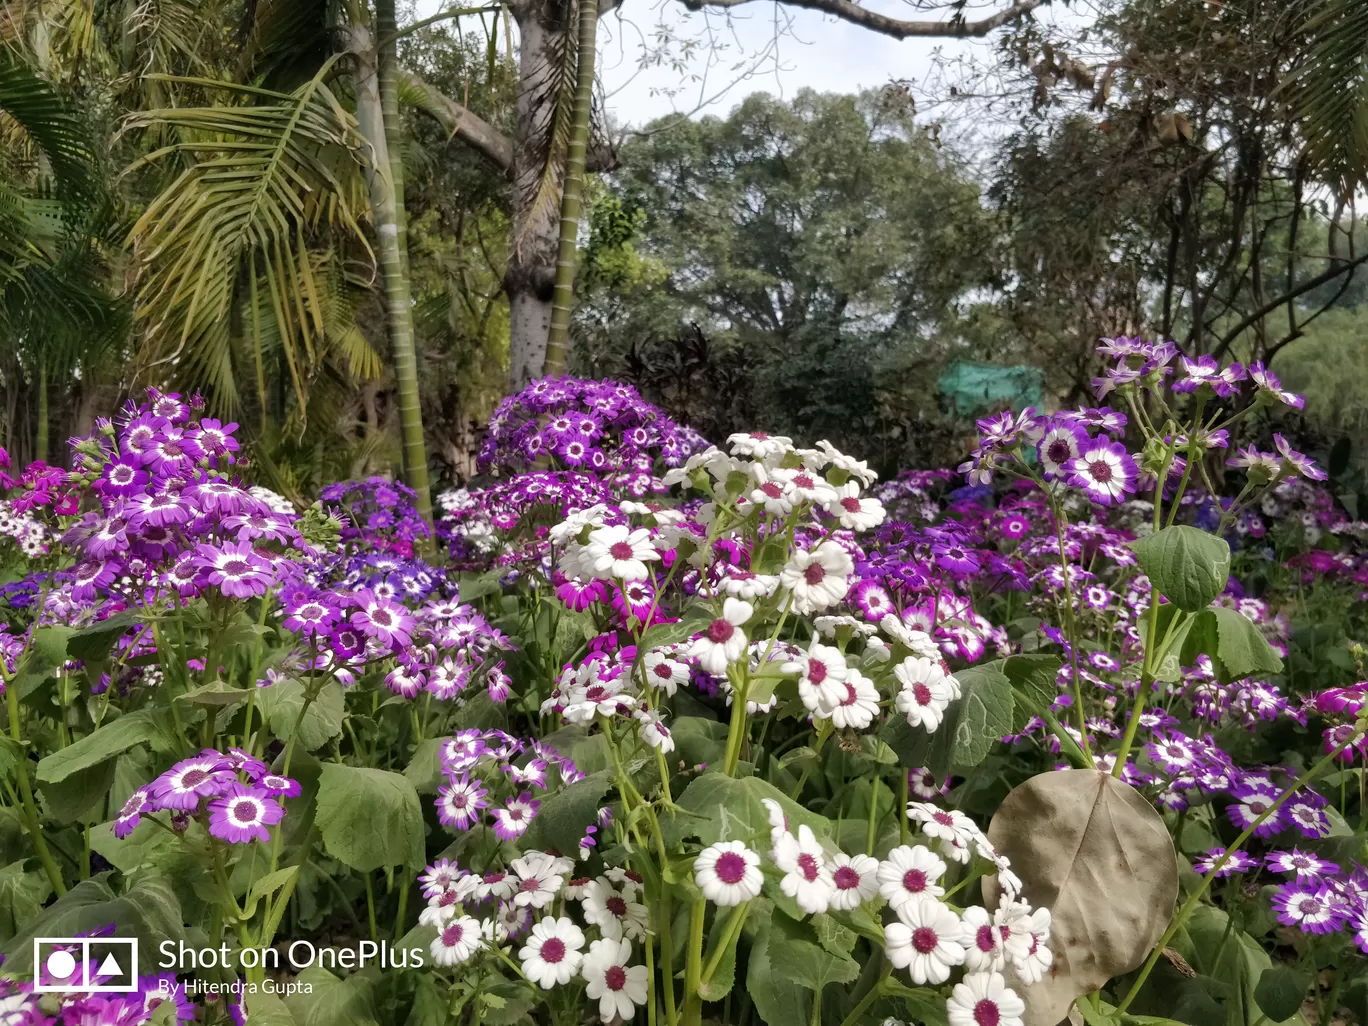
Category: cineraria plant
[673,733]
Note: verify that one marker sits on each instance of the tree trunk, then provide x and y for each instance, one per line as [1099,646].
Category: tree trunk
[391,239]
[530,279]
[558,340]
[40,439]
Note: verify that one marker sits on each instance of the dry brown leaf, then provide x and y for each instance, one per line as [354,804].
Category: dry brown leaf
[1096,854]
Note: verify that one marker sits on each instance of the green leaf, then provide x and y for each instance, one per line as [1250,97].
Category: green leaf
[1214,949]
[148,910]
[1281,990]
[724,976]
[1236,646]
[1170,666]
[424,770]
[694,620]
[79,795]
[477,586]
[328,1001]
[22,895]
[265,886]
[11,755]
[42,660]
[369,818]
[723,808]
[217,694]
[698,740]
[265,1009]
[93,643]
[973,723]
[280,704]
[1189,567]
[513,999]
[778,1002]
[1034,682]
[560,822]
[796,956]
[111,739]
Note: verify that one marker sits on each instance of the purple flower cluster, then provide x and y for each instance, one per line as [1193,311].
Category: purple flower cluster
[235,793]
[377,514]
[599,426]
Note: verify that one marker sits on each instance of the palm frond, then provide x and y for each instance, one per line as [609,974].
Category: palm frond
[49,123]
[557,89]
[1329,91]
[268,185]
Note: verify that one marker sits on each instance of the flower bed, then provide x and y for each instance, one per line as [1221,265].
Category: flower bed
[674,733]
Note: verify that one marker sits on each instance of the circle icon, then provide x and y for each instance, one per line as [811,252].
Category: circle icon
[61,964]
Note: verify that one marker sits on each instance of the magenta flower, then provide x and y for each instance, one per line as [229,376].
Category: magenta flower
[139,802]
[459,803]
[1296,461]
[243,814]
[310,617]
[1104,470]
[513,819]
[237,570]
[182,786]
[385,621]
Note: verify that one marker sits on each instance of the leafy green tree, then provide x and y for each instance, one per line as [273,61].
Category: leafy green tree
[827,250]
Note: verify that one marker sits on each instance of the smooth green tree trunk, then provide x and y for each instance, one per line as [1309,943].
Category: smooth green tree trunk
[572,199]
[387,207]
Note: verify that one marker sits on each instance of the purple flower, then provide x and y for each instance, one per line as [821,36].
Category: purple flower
[513,819]
[131,814]
[385,621]
[235,567]
[1301,863]
[1269,385]
[1310,908]
[1295,462]
[1240,862]
[1104,470]
[460,801]
[123,477]
[311,616]
[182,786]
[1251,803]
[279,787]
[1060,444]
[243,813]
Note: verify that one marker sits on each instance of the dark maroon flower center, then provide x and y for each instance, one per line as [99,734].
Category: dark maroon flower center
[914,880]
[986,1013]
[730,868]
[846,879]
[943,818]
[921,693]
[527,886]
[194,778]
[772,490]
[817,671]
[245,811]
[985,939]
[924,939]
[814,573]
[1101,471]
[237,567]
[720,631]
[1059,451]
[851,695]
[850,504]
[616,905]
[615,978]
[621,550]
[663,671]
[451,936]
[381,618]
[553,950]
[808,867]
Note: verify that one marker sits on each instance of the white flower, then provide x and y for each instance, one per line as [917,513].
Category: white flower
[984,998]
[982,942]
[552,953]
[439,911]
[853,467]
[778,822]
[618,987]
[806,877]
[909,874]
[949,825]
[613,911]
[663,671]
[925,691]
[858,705]
[925,941]
[1032,965]
[918,641]
[458,940]
[654,732]
[774,497]
[877,649]
[620,552]
[806,485]
[572,525]
[854,879]
[853,512]
[1015,925]
[723,641]
[538,879]
[818,578]
[728,873]
[743,584]
[821,671]
[760,446]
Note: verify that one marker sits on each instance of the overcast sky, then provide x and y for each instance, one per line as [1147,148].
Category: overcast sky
[760,46]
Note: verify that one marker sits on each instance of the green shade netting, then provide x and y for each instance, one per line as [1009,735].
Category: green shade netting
[970,387]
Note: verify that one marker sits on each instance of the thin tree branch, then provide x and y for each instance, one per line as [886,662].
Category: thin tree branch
[1346,267]
[455,12]
[956,28]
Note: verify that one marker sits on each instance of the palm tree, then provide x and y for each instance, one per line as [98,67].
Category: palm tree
[1329,91]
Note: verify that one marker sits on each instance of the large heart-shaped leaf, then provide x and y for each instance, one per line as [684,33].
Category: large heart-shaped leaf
[1188,566]
[1096,854]
[369,818]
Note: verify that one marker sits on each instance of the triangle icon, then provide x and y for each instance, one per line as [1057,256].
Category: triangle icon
[110,966]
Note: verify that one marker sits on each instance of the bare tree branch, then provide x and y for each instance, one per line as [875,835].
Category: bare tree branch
[956,28]
[461,124]
[1345,267]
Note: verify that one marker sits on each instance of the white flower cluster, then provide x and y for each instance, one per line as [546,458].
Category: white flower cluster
[555,949]
[27,533]
[277,502]
[929,938]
